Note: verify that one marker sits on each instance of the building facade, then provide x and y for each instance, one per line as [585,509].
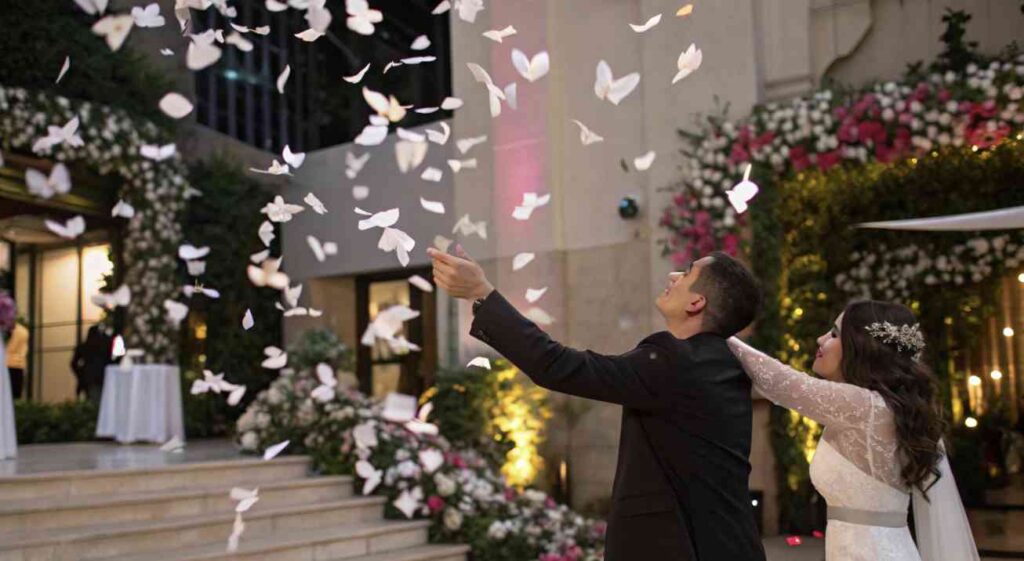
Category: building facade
[602,269]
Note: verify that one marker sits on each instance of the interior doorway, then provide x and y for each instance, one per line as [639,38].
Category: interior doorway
[380,370]
[53,279]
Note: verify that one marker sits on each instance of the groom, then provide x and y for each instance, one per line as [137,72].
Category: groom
[680,490]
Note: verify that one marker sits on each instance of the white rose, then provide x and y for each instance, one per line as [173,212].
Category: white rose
[274,396]
[445,486]
[250,441]
[497,530]
[262,420]
[452,519]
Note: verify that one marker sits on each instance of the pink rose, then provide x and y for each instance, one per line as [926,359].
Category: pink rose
[827,160]
[435,503]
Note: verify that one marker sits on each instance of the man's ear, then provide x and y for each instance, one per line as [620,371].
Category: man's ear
[697,304]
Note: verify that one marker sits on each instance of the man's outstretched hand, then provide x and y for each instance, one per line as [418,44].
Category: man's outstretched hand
[459,274]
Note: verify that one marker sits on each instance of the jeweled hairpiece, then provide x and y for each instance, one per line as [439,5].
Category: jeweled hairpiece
[907,338]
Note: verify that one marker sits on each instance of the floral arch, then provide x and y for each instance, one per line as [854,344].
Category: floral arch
[156,190]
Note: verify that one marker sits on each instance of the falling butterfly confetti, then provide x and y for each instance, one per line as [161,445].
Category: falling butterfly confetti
[273,451]
[742,192]
[358,76]
[498,35]
[689,61]
[613,89]
[70,229]
[647,25]
[532,69]
[63,69]
[587,136]
[58,182]
[521,260]
[480,362]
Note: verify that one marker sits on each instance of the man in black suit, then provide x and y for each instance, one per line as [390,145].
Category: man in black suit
[681,484]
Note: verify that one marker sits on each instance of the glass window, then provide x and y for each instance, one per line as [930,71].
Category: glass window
[238,95]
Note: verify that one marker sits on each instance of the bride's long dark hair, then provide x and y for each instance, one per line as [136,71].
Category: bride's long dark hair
[907,385]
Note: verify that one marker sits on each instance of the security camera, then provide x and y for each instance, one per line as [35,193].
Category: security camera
[629,207]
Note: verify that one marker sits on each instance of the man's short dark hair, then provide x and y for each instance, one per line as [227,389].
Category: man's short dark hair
[732,292]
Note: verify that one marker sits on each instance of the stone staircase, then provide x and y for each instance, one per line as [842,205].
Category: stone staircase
[999,525]
[182,512]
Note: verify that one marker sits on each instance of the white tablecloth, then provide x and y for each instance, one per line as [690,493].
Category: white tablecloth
[8,436]
[141,403]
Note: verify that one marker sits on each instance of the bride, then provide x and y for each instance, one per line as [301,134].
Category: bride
[881,444]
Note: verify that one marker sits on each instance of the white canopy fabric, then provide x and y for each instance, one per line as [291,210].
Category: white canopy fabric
[1003,219]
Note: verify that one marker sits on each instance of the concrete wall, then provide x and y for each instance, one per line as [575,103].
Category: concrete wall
[323,174]
[907,31]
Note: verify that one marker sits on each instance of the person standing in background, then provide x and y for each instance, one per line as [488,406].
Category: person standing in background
[17,356]
[90,361]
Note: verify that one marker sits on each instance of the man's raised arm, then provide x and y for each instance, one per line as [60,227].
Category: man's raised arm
[631,379]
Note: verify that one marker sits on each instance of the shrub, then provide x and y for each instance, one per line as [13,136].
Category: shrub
[69,421]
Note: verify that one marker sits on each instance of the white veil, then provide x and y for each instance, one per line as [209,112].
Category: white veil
[940,521]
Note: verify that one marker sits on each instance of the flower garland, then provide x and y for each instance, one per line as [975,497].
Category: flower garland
[887,121]
[422,476]
[154,189]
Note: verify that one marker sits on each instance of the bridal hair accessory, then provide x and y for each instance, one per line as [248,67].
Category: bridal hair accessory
[906,337]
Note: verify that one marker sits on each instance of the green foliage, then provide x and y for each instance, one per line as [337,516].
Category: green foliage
[319,345]
[70,421]
[957,52]
[465,402]
[804,238]
[226,218]
[38,35]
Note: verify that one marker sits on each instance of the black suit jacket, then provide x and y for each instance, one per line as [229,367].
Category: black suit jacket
[680,490]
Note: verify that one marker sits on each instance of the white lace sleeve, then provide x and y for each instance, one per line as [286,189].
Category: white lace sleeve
[828,403]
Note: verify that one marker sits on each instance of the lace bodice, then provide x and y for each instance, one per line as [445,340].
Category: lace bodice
[859,425]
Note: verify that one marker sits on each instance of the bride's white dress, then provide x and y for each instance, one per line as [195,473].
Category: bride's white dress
[857,469]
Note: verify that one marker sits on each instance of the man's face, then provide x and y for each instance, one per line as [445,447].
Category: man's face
[677,300]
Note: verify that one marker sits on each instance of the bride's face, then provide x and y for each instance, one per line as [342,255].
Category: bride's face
[829,360]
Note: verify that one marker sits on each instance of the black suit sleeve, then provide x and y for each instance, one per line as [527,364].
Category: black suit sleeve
[633,379]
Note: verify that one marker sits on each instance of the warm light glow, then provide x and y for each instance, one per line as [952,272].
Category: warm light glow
[519,418]
[95,265]
[798,313]
[970,422]
[996,375]
[974,380]
[1007,332]
[201,331]
[1020,277]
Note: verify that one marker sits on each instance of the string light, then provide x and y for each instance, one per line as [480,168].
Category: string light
[1007,332]
[1020,277]
[974,380]
[996,375]
[970,422]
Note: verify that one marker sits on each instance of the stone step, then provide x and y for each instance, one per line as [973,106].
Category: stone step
[218,474]
[998,531]
[77,511]
[344,541]
[421,553]
[996,522]
[1011,495]
[147,538]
